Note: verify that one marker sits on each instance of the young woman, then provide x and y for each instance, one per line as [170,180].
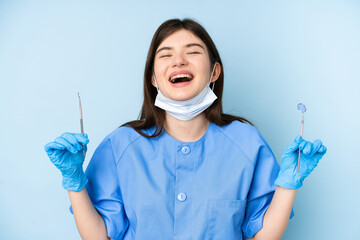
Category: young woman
[184,170]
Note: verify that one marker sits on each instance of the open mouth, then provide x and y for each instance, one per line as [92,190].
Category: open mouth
[181,78]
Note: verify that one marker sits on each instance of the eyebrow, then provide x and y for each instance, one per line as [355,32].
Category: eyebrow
[187,45]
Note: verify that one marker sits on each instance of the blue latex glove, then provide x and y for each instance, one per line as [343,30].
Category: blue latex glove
[66,153]
[311,153]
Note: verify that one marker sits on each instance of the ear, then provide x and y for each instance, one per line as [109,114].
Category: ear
[153,81]
[217,72]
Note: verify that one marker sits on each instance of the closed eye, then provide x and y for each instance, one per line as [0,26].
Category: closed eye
[163,56]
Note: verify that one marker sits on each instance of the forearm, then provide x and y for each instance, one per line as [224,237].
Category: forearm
[277,215]
[88,221]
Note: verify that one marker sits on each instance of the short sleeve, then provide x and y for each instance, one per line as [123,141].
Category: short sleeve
[104,191]
[261,191]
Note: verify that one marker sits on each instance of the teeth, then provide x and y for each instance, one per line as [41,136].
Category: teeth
[180,76]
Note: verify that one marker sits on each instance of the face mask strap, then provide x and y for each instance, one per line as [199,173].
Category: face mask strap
[212,88]
[212,76]
[156,82]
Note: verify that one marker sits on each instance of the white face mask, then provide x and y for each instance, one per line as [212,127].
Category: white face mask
[187,109]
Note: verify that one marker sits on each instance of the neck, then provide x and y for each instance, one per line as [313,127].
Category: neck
[186,131]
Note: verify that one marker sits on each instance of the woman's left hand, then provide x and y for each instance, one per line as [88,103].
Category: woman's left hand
[311,153]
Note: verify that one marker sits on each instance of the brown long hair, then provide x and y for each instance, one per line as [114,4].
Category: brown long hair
[151,115]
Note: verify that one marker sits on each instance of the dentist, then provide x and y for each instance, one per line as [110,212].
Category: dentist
[185,170]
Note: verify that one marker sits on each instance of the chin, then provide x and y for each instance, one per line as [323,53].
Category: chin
[183,97]
[186,93]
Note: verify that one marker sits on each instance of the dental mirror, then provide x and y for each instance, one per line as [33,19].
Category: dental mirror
[301,107]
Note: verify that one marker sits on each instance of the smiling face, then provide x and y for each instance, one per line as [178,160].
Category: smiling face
[182,66]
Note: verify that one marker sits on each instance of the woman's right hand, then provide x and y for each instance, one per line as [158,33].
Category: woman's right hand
[67,154]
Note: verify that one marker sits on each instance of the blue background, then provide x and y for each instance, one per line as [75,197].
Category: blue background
[275,54]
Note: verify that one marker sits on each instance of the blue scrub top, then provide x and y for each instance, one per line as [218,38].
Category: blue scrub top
[218,187]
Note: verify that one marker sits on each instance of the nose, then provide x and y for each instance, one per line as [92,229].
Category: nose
[179,60]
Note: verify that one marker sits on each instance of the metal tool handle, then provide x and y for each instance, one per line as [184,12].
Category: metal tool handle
[81,122]
[81,126]
[301,134]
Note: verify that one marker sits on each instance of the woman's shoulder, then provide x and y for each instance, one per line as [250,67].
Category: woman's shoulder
[242,134]
[237,129]
[245,138]
[124,134]
[120,139]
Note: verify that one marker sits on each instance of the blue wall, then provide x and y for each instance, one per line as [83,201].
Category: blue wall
[275,53]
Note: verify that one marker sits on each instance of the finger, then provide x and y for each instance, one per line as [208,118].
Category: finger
[85,148]
[82,138]
[322,149]
[51,146]
[316,146]
[294,145]
[320,153]
[307,148]
[66,144]
[71,138]
[302,144]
